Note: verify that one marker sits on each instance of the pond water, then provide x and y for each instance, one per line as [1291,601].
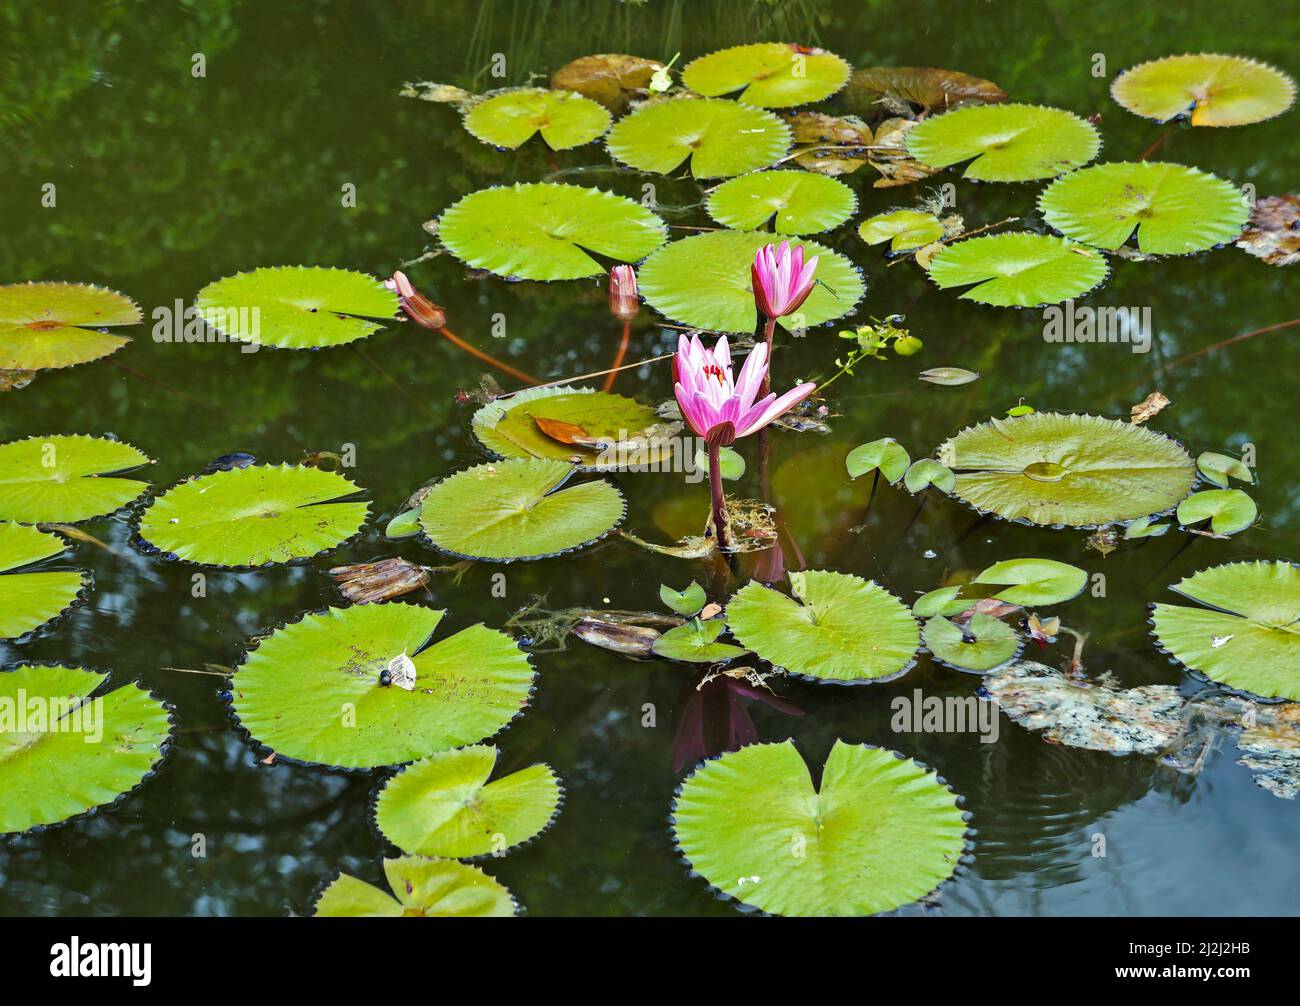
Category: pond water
[168,181]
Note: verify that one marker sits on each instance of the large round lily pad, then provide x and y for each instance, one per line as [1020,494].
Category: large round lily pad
[881,831]
[546,231]
[704,281]
[1175,210]
[30,599]
[1248,634]
[517,509]
[296,307]
[316,691]
[617,432]
[254,516]
[721,138]
[1019,270]
[837,627]
[796,202]
[1067,470]
[46,325]
[768,74]
[510,118]
[65,479]
[1212,89]
[1005,143]
[63,753]
[444,805]
[422,888]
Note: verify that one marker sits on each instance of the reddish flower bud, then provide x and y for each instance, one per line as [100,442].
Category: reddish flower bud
[624,304]
[419,308]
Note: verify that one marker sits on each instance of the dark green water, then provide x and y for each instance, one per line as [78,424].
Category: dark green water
[166,182]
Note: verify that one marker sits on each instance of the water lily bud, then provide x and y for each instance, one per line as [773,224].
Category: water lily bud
[419,308]
[624,304]
[907,345]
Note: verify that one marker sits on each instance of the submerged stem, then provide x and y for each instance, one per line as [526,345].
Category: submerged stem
[618,358]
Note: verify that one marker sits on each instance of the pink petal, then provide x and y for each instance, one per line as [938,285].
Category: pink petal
[751,375]
[777,408]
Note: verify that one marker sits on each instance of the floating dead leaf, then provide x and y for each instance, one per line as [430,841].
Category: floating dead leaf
[710,610]
[690,547]
[1104,540]
[889,156]
[951,377]
[925,254]
[1273,231]
[1148,407]
[990,606]
[631,641]
[1040,631]
[400,672]
[370,582]
[906,90]
[556,429]
[613,79]
[1266,735]
[16,380]
[828,144]
[443,94]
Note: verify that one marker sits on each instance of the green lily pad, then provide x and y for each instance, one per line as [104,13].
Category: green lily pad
[730,462]
[927,472]
[768,74]
[629,434]
[1251,638]
[422,888]
[254,516]
[510,118]
[1175,210]
[1227,510]
[444,806]
[882,831]
[947,600]
[721,138]
[704,281]
[903,229]
[1213,90]
[1219,468]
[1068,470]
[797,202]
[1018,270]
[66,479]
[1144,528]
[30,599]
[885,455]
[992,644]
[837,627]
[405,525]
[685,602]
[83,752]
[515,509]
[696,642]
[1035,582]
[1009,143]
[546,231]
[296,307]
[48,325]
[314,689]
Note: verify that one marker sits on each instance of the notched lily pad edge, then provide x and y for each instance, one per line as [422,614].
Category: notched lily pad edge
[960,290]
[478,99]
[1185,117]
[781,235]
[963,863]
[322,886]
[51,625]
[126,508]
[962,165]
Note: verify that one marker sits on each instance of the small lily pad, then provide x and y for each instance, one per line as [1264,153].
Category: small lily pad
[66,479]
[1069,470]
[1219,468]
[685,602]
[444,806]
[768,74]
[927,472]
[1018,270]
[796,202]
[985,644]
[704,281]
[1175,210]
[82,753]
[837,627]
[882,831]
[885,455]
[1008,143]
[515,509]
[314,690]
[903,229]
[1227,510]
[48,325]
[721,138]
[30,599]
[696,642]
[510,118]
[546,231]
[1211,89]
[1035,582]
[254,516]
[1143,527]
[296,307]
[422,888]
[1248,634]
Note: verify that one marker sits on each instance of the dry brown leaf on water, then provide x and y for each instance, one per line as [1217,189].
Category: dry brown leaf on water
[1148,407]
[557,429]
[1104,540]
[370,582]
[443,94]
[894,163]
[16,380]
[613,79]
[1273,231]
[905,90]
[828,144]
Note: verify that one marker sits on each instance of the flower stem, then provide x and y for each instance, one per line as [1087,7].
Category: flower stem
[769,330]
[618,358]
[719,499]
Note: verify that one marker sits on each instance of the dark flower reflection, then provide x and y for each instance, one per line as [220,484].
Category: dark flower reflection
[713,717]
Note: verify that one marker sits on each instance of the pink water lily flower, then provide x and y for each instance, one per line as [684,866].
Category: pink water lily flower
[719,407]
[782,280]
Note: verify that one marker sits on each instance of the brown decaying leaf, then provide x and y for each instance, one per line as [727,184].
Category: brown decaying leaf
[632,641]
[612,79]
[1104,540]
[443,94]
[894,163]
[16,380]
[1273,231]
[370,582]
[558,430]
[903,90]
[1147,408]
[828,144]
